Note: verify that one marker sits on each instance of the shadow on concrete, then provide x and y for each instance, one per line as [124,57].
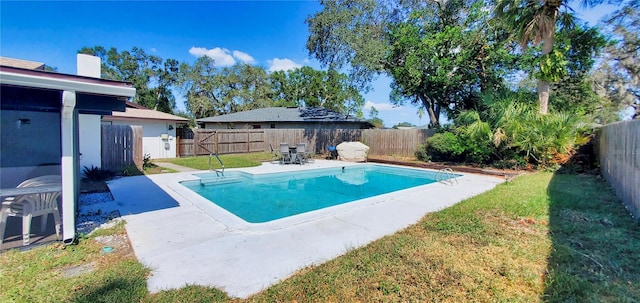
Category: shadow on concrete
[139,194]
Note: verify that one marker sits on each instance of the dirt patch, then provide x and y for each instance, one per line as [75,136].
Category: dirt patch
[114,248]
[79,270]
[114,243]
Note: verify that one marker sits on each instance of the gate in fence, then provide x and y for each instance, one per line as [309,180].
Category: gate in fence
[121,147]
[198,142]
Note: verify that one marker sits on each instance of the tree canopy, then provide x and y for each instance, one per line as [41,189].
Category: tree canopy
[152,76]
[617,78]
[535,22]
[307,87]
[441,55]
[210,90]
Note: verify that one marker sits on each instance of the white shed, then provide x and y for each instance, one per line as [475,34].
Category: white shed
[158,128]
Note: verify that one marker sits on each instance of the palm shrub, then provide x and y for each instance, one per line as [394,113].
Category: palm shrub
[519,130]
[475,136]
[96,174]
[508,131]
[543,138]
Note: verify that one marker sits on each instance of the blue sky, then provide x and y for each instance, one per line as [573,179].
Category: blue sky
[267,33]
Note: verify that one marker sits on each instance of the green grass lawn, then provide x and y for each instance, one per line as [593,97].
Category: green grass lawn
[540,238]
[230,161]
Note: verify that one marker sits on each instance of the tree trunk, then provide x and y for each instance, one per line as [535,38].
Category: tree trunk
[543,96]
[428,103]
[544,85]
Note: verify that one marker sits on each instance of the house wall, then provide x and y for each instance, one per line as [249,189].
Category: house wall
[30,148]
[153,142]
[283,125]
[90,144]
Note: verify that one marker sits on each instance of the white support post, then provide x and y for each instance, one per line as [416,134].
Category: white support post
[68,136]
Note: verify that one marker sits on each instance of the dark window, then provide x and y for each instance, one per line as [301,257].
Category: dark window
[273,126]
[256,126]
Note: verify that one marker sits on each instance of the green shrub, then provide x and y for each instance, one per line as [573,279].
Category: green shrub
[477,152]
[96,174]
[444,147]
[456,146]
[421,153]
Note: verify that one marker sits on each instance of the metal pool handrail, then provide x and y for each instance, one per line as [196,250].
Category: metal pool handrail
[218,172]
[446,176]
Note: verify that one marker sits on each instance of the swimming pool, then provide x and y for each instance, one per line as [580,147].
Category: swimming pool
[267,197]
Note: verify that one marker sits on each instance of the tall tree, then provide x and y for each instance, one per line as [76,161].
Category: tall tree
[573,92]
[442,57]
[152,77]
[439,54]
[243,87]
[534,22]
[308,87]
[211,91]
[374,119]
[618,76]
[198,82]
[351,34]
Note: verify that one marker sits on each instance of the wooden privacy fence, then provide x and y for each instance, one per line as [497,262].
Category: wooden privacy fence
[205,141]
[121,147]
[402,142]
[619,156]
[380,141]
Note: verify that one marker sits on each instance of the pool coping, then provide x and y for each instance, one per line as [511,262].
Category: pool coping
[184,245]
[235,223]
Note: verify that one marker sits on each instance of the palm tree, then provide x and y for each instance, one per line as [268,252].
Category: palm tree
[535,21]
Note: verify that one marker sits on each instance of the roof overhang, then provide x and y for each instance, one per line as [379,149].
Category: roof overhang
[117,118]
[46,80]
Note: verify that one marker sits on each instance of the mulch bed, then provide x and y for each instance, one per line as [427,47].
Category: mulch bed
[437,166]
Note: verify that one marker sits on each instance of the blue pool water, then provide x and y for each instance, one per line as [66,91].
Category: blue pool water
[267,197]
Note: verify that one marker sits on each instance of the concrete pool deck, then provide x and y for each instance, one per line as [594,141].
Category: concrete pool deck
[185,244]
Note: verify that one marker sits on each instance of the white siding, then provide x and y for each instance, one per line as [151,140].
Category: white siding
[153,142]
[89,136]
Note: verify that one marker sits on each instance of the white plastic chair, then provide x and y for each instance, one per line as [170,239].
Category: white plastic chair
[32,205]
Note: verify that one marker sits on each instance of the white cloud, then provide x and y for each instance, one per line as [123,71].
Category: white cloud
[282,64]
[380,106]
[244,57]
[220,56]
[153,49]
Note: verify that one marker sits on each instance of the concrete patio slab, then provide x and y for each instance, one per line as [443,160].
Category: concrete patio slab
[186,241]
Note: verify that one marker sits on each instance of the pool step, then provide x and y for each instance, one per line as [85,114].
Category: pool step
[221,180]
